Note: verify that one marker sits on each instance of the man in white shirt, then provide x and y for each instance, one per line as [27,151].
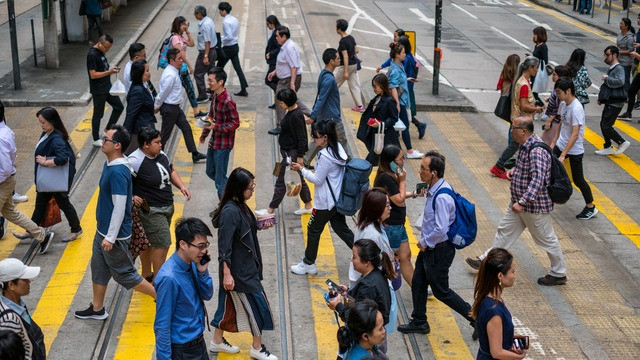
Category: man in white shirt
[168,103]
[136,52]
[206,42]
[7,185]
[230,48]
[288,71]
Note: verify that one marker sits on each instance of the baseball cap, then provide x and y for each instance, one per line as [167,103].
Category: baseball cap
[12,269]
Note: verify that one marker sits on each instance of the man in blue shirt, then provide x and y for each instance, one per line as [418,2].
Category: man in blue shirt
[94,17]
[436,252]
[183,283]
[110,254]
[327,104]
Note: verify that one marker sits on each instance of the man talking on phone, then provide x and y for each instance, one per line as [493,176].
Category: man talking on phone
[182,285]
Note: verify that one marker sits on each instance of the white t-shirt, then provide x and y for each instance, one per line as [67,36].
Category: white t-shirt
[572,115]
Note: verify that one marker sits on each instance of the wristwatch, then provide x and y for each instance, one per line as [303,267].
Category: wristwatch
[522,202]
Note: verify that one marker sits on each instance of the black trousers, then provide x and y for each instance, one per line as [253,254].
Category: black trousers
[577,174]
[609,116]
[316,224]
[94,21]
[173,115]
[193,350]
[200,71]
[432,268]
[62,199]
[509,151]
[99,101]
[231,53]
[280,188]
[633,91]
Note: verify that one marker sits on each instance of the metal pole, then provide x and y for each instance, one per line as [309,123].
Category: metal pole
[33,42]
[436,50]
[14,45]
[609,17]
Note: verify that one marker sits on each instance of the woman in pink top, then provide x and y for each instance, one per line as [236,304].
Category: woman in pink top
[180,39]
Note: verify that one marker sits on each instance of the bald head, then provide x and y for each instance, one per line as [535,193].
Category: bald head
[522,128]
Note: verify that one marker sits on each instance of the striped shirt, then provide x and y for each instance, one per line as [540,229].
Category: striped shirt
[10,320]
[531,177]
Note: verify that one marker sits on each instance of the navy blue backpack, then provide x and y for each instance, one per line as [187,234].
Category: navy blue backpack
[354,183]
[464,228]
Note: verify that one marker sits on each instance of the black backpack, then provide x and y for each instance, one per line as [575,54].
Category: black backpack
[559,187]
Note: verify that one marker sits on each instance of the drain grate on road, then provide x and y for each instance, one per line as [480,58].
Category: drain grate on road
[573,34]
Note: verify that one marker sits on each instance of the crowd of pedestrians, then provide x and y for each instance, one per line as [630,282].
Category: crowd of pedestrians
[137,182]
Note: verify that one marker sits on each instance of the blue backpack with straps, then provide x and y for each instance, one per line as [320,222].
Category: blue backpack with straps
[354,184]
[464,228]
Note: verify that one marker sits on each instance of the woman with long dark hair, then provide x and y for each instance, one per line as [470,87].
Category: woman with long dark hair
[362,332]
[242,302]
[271,53]
[505,82]
[580,75]
[392,177]
[53,149]
[382,108]
[400,92]
[140,109]
[181,39]
[493,319]
[327,179]
[376,269]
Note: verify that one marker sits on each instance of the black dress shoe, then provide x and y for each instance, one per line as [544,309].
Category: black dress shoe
[242,92]
[412,327]
[272,106]
[200,114]
[274,131]
[197,156]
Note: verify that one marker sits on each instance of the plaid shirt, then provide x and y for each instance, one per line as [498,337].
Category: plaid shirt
[531,177]
[226,120]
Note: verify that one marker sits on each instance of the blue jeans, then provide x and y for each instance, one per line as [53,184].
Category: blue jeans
[585,5]
[406,134]
[216,168]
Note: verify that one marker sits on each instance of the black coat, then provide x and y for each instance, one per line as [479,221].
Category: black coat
[238,247]
[140,109]
[374,286]
[387,112]
[273,48]
[55,146]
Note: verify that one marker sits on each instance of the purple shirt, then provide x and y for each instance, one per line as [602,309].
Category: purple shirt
[530,178]
[435,225]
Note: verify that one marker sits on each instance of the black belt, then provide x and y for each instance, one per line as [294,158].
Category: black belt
[178,105]
[438,245]
[189,344]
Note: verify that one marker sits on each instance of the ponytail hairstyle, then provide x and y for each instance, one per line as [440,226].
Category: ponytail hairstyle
[627,23]
[328,128]
[368,251]
[396,49]
[374,202]
[388,155]
[529,61]
[360,320]
[497,261]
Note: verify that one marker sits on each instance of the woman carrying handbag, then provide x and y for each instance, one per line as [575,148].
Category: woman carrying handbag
[382,109]
[54,151]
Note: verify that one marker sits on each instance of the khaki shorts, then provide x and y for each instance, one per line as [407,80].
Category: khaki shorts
[156,224]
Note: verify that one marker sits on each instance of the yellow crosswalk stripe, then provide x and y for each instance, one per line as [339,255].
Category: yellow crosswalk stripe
[629,130]
[631,167]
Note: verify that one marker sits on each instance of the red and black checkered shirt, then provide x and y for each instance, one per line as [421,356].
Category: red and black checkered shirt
[226,120]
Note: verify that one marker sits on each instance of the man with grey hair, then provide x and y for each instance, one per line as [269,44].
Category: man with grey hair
[206,42]
[530,205]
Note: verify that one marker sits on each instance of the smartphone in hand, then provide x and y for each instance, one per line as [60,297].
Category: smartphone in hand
[205,259]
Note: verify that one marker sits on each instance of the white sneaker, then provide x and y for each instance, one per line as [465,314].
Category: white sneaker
[225,347]
[17,198]
[605,151]
[97,143]
[416,154]
[303,268]
[303,211]
[622,147]
[262,212]
[429,292]
[261,354]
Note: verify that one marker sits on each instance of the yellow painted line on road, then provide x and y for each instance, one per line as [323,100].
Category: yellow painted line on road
[244,155]
[447,342]
[623,161]
[629,130]
[137,338]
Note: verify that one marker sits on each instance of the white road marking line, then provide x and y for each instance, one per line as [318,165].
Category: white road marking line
[423,17]
[369,68]
[336,5]
[369,32]
[534,22]
[465,11]
[374,49]
[352,22]
[284,13]
[509,37]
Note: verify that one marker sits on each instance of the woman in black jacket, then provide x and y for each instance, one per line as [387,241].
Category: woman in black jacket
[240,270]
[377,270]
[139,104]
[53,150]
[383,109]
[293,144]
[271,53]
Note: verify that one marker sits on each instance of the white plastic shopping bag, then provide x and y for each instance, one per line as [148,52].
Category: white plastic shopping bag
[117,89]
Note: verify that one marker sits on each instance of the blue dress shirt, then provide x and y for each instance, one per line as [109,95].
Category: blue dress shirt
[179,312]
[435,225]
[20,309]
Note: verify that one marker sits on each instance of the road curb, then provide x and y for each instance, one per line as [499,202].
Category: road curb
[85,98]
[573,16]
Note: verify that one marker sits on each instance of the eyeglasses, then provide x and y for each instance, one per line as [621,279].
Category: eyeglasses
[200,247]
[252,187]
[607,55]
[104,138]
[519,127]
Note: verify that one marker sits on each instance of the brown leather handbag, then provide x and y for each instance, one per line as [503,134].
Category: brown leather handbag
[52,216]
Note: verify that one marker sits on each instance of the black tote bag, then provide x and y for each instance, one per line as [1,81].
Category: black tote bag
[503,107]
